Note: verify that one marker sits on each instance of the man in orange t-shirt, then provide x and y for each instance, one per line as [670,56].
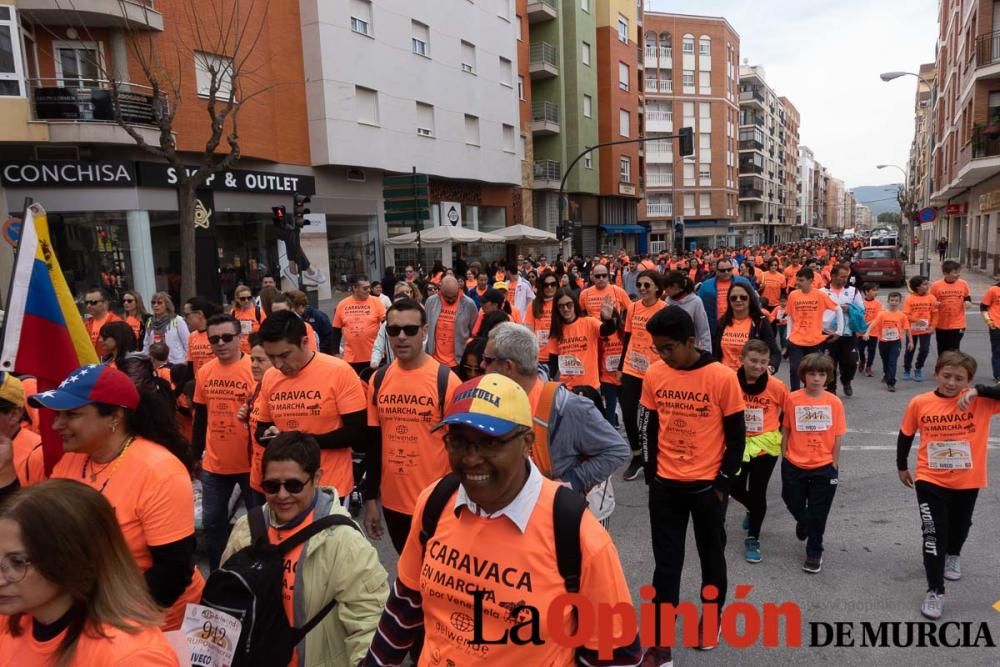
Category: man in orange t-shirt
[951,292]
[694,437]
[804,309]
[404,455]
[990,309]
[97,316]
[610,347]
[450,317]
[197,310]
[221,386]
[358,318]
[313,393]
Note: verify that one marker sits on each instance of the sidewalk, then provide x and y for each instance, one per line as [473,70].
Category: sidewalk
[979,281]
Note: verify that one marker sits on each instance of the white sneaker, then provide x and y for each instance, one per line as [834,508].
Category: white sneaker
[952,568]
[933,605]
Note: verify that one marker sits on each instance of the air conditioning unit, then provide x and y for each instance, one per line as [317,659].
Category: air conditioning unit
[425,132]
[357,175]
[467,68]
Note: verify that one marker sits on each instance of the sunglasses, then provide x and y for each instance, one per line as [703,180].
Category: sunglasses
[549,283]
[93,302]
[739,297]
[722,270]
[128,300]
[224,338]
[566,306]
[599,276]
[409,329]
[432,288]
[645,285]
[273,486]
[243,298]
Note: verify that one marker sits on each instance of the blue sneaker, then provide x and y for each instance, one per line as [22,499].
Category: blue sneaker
[918,375]
[906,375]
[751,550]
[746,521]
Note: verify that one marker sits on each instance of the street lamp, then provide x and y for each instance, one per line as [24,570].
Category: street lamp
[905,197]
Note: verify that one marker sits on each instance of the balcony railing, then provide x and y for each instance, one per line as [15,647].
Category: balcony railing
[985,146]
[750,168]
[659,209]
[751,193]
[545,112]
[543,56]
[548,170]
[660,115]
[750,144]
[666,52]
[666,85]
[90,100]
[542,10]
[988,49]
[650,52]
[655,180]
[747,95]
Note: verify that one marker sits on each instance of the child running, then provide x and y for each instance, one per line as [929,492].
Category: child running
[954,426]
[921,309]
[764,396]
[812,427]
[866,348]
[891,327]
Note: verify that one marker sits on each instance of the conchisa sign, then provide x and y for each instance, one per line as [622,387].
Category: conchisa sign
[128,174]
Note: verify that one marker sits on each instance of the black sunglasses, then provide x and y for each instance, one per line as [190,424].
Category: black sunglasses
[409,329]
[244,298]
[273,486]
[549,283]
[739,297]
[224,338]
[94,303]
[645,285]
[128,300]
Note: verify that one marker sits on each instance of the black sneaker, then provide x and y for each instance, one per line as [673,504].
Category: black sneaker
[800,530]
[813,564]
[657,657]
[634,469]
[848,390]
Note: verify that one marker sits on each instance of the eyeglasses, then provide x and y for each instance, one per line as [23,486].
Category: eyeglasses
[223,338]
[485,446]
[128,300]
[549,283]
[739,297]
[92,302]
[724,270]
[599,276]
[432,288]
[489,361]
[273,486]
[473,370]
[645,285]
[244,298]
[409,329]
[14,567]
[566,305]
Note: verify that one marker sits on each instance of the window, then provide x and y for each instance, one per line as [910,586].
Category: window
[468,57]
[704,204]
[585,5]
[585,54]
[520,32]
[471,130]
[421,38]
[622,29]
[588,104]
[689,205]
[506,72]
[425,119]
[520,87]
[704,175]
[366,105]
[11,71]
[688,78]
[705,111]
[588,161]
[508,138]
[211,71]
[503,9]
[623,75]
[705,82]
[688,174]
[704,46]
[624,122]
[688,44]
[625,170]
[361,17]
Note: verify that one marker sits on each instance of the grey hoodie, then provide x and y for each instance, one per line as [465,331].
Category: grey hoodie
[696,309]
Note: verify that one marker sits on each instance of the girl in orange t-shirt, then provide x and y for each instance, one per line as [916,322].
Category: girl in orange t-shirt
[891,327]
[954,426]
[249,413]
[71,593]
[539,315]
[573,341]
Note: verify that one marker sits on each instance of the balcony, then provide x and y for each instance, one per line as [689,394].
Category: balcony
[659,179]
[750,145]
[544,119]
[666,85]
[548,174]
[659,210]
[988,49]
[86,113]
[751,168]
[542,10]
[137,14]
[658,120]
[543,61]
[752,96]
[659,152]
[751,193]
[647,57]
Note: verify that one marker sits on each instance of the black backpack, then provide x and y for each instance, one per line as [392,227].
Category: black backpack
[249,587]
[443,374]
[567,512]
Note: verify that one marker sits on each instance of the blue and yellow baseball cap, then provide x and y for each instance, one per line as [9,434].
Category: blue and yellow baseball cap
[491,403]
[11,389]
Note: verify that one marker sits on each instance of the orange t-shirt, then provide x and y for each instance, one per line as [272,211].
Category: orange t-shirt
[763,410]
[29,461]
[540,326]
[952,451]
[592,298]
[116,648]
[691,405]
[222,389]
[732,339]
[94,329]
[922,313]
[806,311]
[406,410]
[578,353]
[722,297]
[274,536]
[248,324]
[199,349]
[444,334]
[813,424]
[136,325]
[872,308]
[610,355]
[889,326]
[153,500]
[951,312]
[256,449]
[30,385]
[312,401]
[360,320]
[992,302]
[640,353]
[789,274]
[492,554]
[771,285]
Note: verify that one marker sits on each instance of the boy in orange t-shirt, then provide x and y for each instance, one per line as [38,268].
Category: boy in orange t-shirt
[891,327]
[866,348]
[805,308]
[990,309]
[811,430]
[921,309]
[951,292]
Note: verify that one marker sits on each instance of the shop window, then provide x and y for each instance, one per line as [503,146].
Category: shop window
[11,68]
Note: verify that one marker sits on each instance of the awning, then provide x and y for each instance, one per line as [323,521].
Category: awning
[624,229]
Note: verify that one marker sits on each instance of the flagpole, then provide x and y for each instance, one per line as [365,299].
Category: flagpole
[28,202]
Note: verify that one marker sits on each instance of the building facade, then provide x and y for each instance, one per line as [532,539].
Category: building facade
[807,169]
[792,184]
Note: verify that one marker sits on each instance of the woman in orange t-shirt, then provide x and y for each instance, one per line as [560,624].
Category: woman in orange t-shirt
[743,321]
[539,315]
[573,341]
[249,413]
[126,444]
[134,313]
[71,593]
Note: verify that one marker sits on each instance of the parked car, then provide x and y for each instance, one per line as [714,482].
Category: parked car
[880,264]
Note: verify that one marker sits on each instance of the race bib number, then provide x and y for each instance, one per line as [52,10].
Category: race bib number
[754,420]
[570,365]
[813,418]
[246,327]
[890,334]
[639,362]
[611,362]
[211,635]
[543,338]
[954,455]
[920,326]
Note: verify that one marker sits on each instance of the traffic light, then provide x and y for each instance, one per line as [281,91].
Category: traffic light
[300,210]
[686,137]
[280,218]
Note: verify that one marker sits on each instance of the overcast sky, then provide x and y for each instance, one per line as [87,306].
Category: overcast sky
[826,58]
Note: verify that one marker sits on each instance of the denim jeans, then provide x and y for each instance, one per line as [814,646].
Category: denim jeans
[609,392]
[889,351]
[921,347]
[216,490]
[866,351]
[795,354]
[995,352]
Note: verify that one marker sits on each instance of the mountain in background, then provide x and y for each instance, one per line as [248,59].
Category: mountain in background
[879,198]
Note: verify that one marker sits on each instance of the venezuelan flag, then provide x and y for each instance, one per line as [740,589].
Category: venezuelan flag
[43,332]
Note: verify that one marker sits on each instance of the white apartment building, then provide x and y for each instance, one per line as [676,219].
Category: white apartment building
[807,167]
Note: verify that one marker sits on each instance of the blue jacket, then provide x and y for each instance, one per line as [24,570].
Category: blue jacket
[321,324]
[709,295]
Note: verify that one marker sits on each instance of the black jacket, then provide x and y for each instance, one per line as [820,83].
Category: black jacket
[759,328]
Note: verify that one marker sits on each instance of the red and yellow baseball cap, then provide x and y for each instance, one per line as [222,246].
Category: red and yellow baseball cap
[491,403]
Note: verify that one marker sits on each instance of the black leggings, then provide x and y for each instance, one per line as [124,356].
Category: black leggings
[628,397]
[750,489]
[398,526]
[945,517]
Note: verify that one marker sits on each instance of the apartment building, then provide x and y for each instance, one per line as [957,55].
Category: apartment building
[821,209]
[863,220]
[807,167]
[767,190]
[790,193]
[691,79]
[919,167]
[834,219]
